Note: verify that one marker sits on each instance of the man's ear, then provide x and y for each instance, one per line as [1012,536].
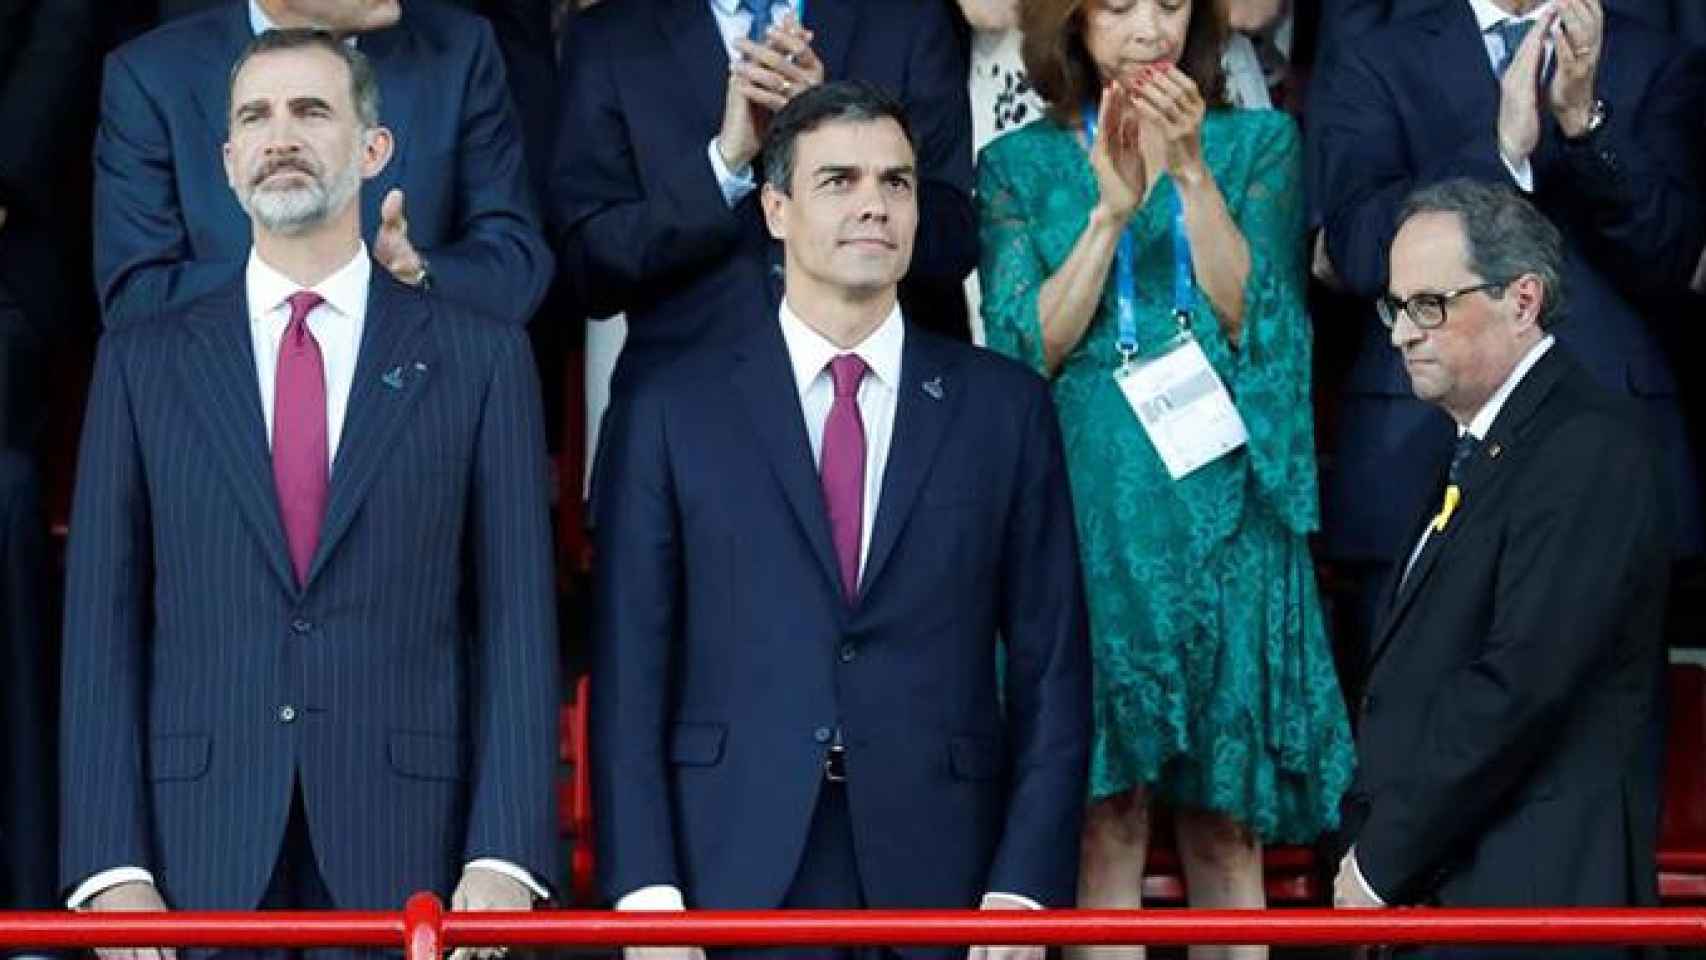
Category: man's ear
[376,150]
[227,156]
[1531,295]
[775,204]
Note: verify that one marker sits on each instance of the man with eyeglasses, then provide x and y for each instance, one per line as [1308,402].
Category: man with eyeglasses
[1595,116]
[1504,747]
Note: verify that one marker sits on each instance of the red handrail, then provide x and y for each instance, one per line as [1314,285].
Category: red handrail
[426,929]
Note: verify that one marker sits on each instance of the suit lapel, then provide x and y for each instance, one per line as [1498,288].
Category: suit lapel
[232,32]
[833,23]
[218,375]
[1481,477]
[394,368]
[765,382]
[927,401]
[1454,47]
[690,30]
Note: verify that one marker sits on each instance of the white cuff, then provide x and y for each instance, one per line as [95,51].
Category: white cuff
[104,881]
[1012,898]
[735,184]
[513,872]
[1356,874]
[1522,173]
[658,896]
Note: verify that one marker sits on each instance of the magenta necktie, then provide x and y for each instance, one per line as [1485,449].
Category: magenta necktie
[842,468]
[299,446]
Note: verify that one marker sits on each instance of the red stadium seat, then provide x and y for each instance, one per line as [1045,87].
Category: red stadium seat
[1682,834]
[574,797]
[1290,873]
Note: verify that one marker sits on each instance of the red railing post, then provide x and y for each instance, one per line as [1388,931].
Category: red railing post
[423,927]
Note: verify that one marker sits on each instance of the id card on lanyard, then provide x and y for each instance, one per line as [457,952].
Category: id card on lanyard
[1173,391]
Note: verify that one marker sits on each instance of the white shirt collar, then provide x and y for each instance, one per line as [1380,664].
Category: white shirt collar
[810,352]
[345,290]
[1488,14]
[727,8]
[1483,421]
[260,23]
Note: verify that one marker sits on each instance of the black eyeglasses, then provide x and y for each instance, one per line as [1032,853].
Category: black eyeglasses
[1427,310]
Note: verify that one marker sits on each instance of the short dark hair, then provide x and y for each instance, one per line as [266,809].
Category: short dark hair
[1060,69]
[848,101]
[1505,236]
[363,84]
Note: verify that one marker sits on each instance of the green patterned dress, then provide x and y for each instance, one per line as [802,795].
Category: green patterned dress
[1214,683]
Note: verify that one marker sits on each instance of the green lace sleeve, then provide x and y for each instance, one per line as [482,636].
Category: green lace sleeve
[1011,270]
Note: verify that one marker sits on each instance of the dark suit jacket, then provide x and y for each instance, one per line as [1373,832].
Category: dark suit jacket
[26,702]
[1415,102]
[169,228]
[724,654]
[643,227]
[1514,677]
[420,661]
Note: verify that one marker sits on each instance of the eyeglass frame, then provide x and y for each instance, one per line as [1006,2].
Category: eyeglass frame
[1388,308]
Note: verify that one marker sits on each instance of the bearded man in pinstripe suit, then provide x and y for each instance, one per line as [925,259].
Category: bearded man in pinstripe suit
[310,643]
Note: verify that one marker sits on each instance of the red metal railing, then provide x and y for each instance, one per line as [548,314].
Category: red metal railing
[426,929]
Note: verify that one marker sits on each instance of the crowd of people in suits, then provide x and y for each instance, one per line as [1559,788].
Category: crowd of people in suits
[916,581]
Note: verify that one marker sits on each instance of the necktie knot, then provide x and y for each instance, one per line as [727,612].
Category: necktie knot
[760,12]
[1512,31]
[848,371]
[302,303]
[1461,452]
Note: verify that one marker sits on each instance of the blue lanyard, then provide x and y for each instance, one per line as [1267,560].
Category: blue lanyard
[1125,276]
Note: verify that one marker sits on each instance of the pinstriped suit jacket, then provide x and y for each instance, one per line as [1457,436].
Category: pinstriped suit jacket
[418,666]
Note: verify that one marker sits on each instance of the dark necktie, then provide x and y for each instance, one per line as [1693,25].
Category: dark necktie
[300,457]
[1512,31]
[841,468]
[760,10]
[1461,452]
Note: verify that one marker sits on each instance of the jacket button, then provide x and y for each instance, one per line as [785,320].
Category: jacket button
[849,653]
[286,714]
[300,626]
[822,734]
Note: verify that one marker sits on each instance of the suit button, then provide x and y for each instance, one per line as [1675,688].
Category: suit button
[300,626]
[823,734]
[286,714]
[849,653]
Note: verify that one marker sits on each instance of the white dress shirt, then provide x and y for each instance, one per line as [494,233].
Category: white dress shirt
[337,325]
[809,353]
[1487,16]
[733,23]
[1478,425]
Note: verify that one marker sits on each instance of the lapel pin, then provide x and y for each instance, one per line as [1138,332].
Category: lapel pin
[933,388]
[1494,451]
[420,367]
[393,378]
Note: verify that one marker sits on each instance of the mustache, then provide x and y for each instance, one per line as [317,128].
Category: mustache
[281,165]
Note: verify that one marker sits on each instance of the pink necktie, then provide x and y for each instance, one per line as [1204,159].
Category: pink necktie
[841,468]
[299,447]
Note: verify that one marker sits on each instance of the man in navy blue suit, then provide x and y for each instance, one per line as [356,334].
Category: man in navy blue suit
[665,103]
[310,648]
[810,541]
[1596,117]
[453,212]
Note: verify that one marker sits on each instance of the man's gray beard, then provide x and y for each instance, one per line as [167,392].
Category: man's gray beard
[296,210]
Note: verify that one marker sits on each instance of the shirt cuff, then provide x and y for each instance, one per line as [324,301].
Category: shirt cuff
[658,896]
[1012,898]
[1522,173]
[104,881]
[1356,874]
[511,871]
[735,184]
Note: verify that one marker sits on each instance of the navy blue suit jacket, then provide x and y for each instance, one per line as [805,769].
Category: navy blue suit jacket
[725,654]
[168,227]
[1415,102]
[643,227]
[419,662]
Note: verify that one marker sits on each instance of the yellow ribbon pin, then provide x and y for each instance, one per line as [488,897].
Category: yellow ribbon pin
[1453,496]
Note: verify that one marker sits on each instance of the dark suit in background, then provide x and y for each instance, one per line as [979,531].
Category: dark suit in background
[27,705]
[168,228]
[408,691]
[1514,686]
[643,227]
[726,654]
[1415,102]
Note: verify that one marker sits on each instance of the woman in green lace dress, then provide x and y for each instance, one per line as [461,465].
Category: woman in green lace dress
[1215,690]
